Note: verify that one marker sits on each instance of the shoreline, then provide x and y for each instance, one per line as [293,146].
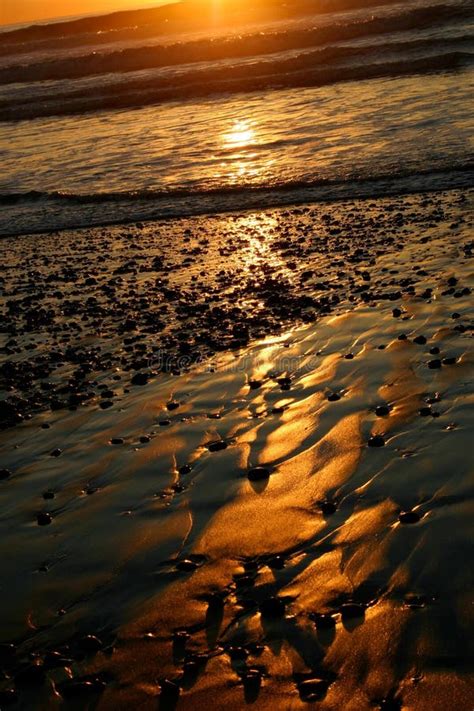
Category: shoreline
[259,199]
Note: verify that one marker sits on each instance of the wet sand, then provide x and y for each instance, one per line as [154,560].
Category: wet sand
[235,461]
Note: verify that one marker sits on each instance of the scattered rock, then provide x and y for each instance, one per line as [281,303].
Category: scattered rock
[376,441]
[258,474]
[409,517]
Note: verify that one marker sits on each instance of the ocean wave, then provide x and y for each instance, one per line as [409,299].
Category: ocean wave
[154,195]
[298,72]
[146,57]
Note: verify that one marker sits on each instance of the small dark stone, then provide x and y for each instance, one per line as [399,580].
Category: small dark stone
[185,469]
[390,704]
[237,653]
[90,643]
[352,610]
[105,404]
[327,507]
[169,691]
[7,653]
[424,411]
[312,690]
[116,440]
[164,423]
[255,384]
[455,315]
[272,607]
[217,446]
[258,474]
[8,697]
[48,494]
[173,405]
[433,364]
[408,517]
[449,361]
[44,519]
[333,397]
[376,441]
[382,410]
[276,562]
[5,474]
[452,281]
[33,675]
[144,439]
[323,621]
[81,689]
[186,565]
[349,356]
[56,452]
[396,313]
[140,379]
[419,340]
[434,350]
[54,660]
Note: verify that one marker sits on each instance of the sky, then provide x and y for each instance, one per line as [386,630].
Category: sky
[18,11]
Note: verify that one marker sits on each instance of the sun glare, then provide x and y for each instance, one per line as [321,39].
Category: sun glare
[240,135]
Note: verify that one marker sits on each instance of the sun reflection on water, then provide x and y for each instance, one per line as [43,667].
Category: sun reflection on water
[244,161]
[242,134]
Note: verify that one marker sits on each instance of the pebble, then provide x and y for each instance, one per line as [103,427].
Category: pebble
[116,440]
[333,397]
[56,452]
[5,474]
[185,469]
[217,446]
[169,691]
[272,607]
[140,379]
[434,364]
[312,690]
[419,340]
[90,643]
[7,653]
[376,441]
[237,653]
[48,494]
[434,350]
[327,507]
[382,410]
[33,675]
[323,621]
[258,474]
[409,517]
[352,610]
[449,361]
[173,405]
[79,689]
[8,697]
[44,519]
[187,566]
[144,439]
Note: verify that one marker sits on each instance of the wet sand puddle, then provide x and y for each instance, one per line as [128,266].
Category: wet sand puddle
[284,525]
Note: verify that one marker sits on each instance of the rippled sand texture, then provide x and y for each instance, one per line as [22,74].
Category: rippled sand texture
[340,580]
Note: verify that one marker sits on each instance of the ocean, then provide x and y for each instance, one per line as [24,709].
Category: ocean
[136,115]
